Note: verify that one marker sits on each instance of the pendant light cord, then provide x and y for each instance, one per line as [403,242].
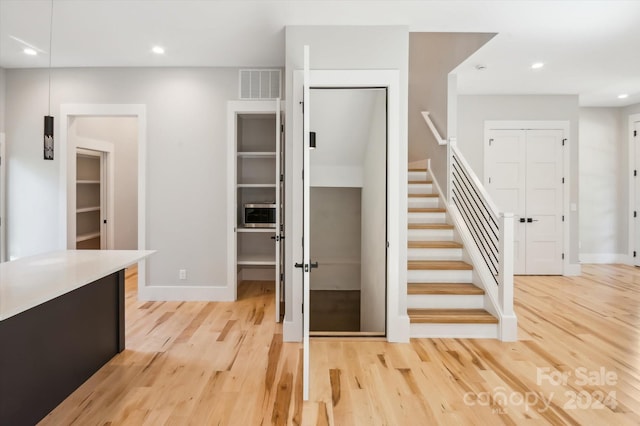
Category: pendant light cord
[50,52]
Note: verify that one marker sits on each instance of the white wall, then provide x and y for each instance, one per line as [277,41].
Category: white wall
[373,282]
[474,110]
[603,154]
[123,133]
[3,90]
[186,164]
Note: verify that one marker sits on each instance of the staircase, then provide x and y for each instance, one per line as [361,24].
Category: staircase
[442,299]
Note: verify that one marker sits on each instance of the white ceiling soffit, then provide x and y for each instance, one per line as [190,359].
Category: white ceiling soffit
[589,47]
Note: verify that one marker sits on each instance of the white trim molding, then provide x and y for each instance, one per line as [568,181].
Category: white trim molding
[397,319]
[606,258]
[632,193]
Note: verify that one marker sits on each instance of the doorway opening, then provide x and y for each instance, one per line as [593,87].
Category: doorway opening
[117,134]
[348,211]
[105,191]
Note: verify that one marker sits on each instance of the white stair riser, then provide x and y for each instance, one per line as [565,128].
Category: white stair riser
[417,175]
[424,202]
[420,188]
[460,331]
[434,253]
[439,276]
[427,217]
[445,301]
[430,234]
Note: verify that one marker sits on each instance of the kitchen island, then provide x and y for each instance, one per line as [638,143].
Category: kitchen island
[61,319]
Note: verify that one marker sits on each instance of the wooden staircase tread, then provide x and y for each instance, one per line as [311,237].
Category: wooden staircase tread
[422,195]
[435,244]
[438,265]
[451,316]
[444,288]
[430,226]
[427,210]
[417,169]
[420,182]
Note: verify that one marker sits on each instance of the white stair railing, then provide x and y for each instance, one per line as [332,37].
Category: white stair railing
[490,229]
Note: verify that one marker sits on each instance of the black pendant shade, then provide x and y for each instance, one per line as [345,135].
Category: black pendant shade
[48,137]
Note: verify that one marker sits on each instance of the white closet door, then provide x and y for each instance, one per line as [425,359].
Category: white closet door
[544,202]
[278,202]
[636,142]
[505,179]
[306,234]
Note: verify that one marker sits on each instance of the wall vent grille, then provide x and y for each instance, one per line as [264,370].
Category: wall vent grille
[259,83]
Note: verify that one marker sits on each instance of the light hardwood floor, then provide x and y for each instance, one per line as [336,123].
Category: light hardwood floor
[225,363]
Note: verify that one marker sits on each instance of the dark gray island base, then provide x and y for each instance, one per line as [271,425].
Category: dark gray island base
[48,351]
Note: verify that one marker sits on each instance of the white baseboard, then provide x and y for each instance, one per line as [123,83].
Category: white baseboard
[398,329]
[185,293]
[604,258]
[291,332]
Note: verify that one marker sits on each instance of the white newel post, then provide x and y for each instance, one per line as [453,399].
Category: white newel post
[506,263]
[450,147]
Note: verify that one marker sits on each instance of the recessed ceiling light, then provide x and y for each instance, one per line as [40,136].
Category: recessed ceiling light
[29,51]
[623,96]
[537,65]
[158,50]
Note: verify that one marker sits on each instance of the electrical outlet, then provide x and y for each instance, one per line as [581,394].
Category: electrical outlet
[182,273]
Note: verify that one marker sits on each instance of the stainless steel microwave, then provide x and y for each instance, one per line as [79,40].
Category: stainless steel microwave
[259,215]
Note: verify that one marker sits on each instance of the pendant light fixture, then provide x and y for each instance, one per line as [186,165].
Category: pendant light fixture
[48,119]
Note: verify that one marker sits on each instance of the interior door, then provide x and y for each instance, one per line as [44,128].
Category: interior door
[306,234]
[636,143]
[505,165]
[544,202]
[524,176]
[278,231]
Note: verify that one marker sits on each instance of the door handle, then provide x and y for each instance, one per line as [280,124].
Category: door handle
[530,219]
[523,220]
[275,237]
[306,266]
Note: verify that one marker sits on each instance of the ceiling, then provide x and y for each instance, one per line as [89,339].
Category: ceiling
[589,47]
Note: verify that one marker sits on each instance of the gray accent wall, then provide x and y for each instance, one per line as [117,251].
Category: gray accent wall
[432,56]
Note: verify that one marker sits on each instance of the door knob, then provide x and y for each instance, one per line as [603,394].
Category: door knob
[523,220]
[314,265]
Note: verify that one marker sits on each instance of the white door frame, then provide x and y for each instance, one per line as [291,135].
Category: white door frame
[632,184]
[234,108]
[68,159]
[563,125]
[397,320]
[3,193]
[106,153]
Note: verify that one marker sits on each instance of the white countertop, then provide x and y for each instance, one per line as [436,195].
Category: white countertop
[31,281]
